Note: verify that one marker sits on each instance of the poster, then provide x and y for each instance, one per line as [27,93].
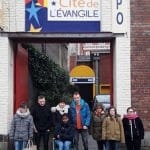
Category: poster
[62,16]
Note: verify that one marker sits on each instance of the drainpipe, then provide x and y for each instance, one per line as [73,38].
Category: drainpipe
[60,54]
[95,56]
[97,76]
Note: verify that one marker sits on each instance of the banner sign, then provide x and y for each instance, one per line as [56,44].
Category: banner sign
[119,15]
[96,46]
[62,16]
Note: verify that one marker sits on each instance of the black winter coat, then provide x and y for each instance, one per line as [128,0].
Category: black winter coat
[41,117]
[133,128]
[66,131]
[58,117]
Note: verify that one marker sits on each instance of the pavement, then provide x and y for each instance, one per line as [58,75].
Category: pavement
[91,144]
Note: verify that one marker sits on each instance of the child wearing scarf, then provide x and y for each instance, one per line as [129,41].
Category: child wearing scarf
[133,129]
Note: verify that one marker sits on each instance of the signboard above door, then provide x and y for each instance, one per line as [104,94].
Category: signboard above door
[96,48]
[62,16]
[76,16]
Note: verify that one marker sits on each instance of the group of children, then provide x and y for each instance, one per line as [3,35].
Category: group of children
[107,128]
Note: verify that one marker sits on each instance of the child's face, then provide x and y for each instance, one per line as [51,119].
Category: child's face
[112,112]
[62,105]
[99,109]
[23,110]
[130,112]
[65,119]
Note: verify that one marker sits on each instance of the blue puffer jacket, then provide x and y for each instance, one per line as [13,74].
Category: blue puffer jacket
[84,112]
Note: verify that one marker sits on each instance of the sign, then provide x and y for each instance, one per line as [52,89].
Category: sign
[62,16]
[96,46]
[119,15]
[82,80]
[74,10]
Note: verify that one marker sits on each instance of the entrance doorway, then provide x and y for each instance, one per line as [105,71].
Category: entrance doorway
[88,96]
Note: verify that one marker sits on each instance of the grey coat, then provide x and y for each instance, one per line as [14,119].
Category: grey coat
[21,126]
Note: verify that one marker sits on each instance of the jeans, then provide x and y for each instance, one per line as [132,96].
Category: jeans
[84,135]
[19,145]
[112,145]
[63,145]
[39,136]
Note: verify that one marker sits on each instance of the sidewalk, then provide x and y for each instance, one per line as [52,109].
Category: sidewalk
[93,145]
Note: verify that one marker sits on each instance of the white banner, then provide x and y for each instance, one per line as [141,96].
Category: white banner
[74,10]
[119,15]
[96,46]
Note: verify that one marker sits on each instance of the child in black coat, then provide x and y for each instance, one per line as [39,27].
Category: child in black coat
[133,129]
[64,133]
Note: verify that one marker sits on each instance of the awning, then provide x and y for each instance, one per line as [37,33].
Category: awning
[60,37]
[82,74]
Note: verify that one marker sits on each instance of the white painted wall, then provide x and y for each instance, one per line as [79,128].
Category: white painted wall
[6,85]
[122,67]
[121,74]
[106,18]
[20,17]
[12,15]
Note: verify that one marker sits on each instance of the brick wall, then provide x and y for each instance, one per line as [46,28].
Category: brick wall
[106,66]
[140,58]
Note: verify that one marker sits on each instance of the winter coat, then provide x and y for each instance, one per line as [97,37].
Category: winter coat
[112,129]
[84,113]
[96,126]
[66,131]
[21,126]
[133,127]
[41,117]
[58,113]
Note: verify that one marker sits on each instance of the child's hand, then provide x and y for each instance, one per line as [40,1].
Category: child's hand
[85,127]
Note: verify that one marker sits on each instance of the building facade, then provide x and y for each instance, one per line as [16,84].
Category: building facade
[123,23]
